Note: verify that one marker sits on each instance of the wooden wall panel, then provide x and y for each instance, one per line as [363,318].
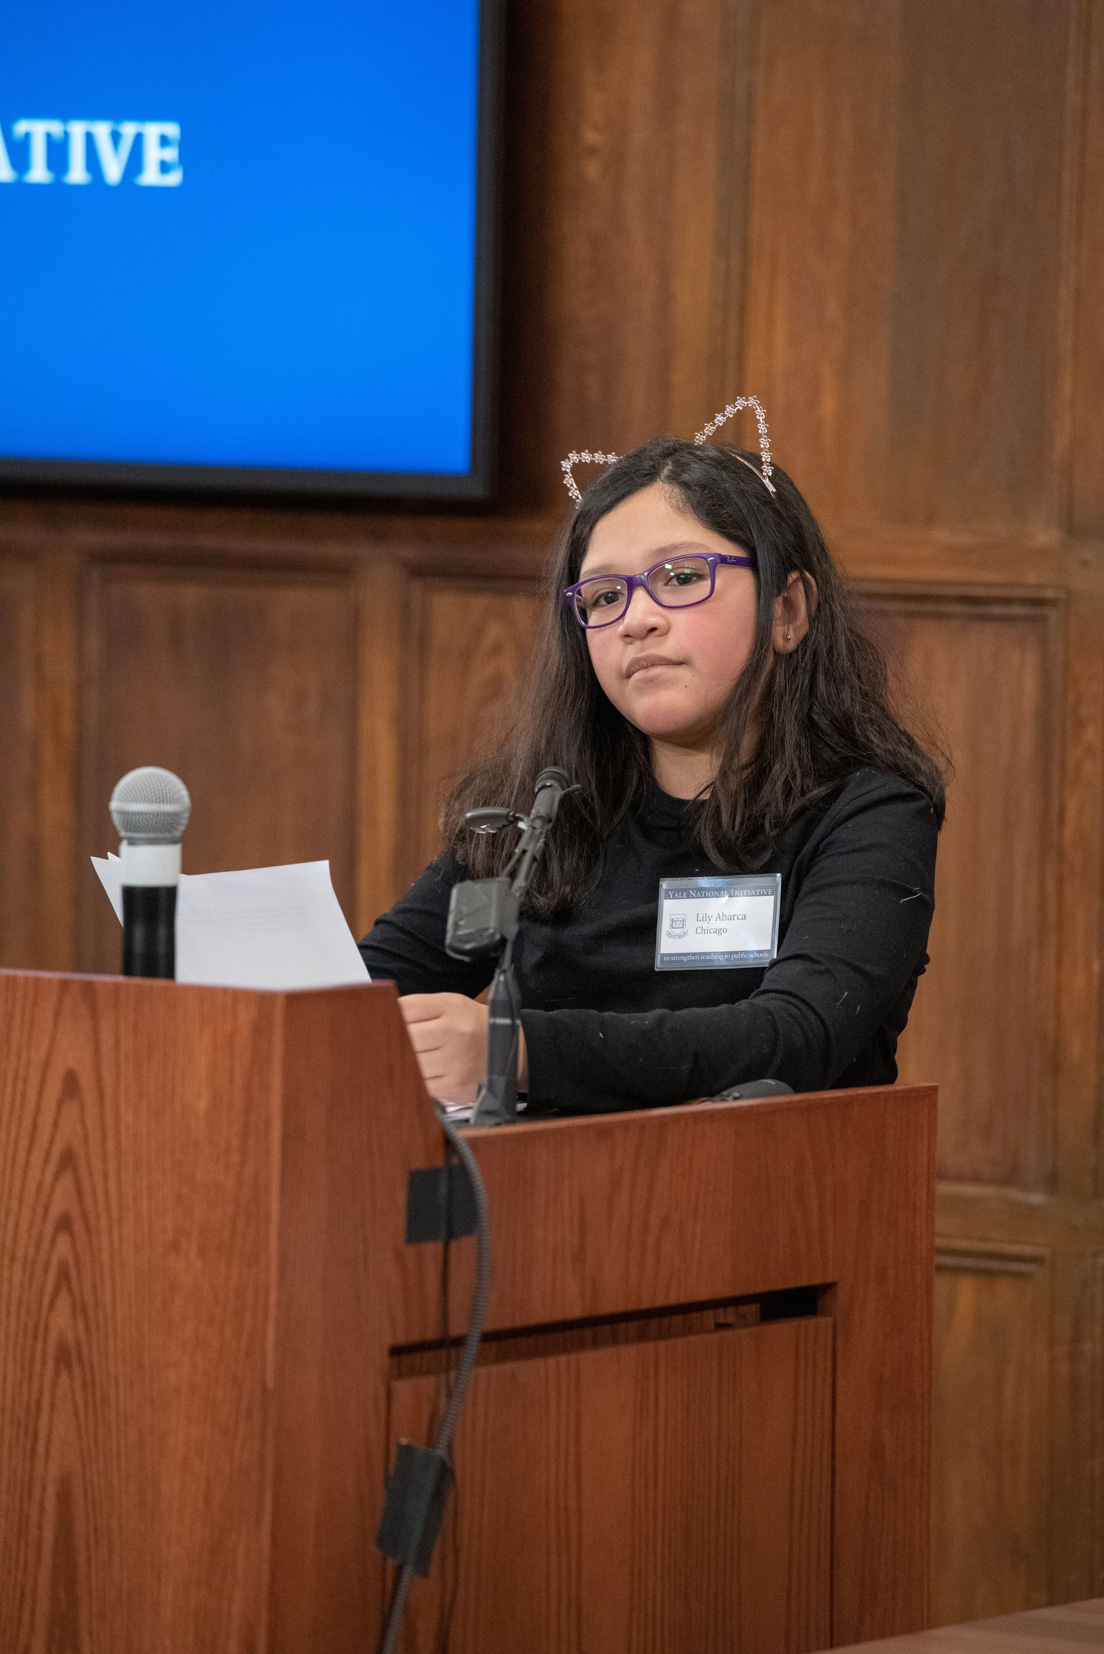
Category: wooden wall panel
[1078,1428]
[904,254]
[989,1491]
[1076,1470]
[982,1022]
[60,622]
[386,596]
[624,243]
[974,364]
[820,243]
[1086,503]
[1079,1063]
[20,828]
[245,685]
[473,649]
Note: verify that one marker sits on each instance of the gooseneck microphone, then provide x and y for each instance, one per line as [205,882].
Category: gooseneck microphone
[483,919]
[549,788]
[150,808]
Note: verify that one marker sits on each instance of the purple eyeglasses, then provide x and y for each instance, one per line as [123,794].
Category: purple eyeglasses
[676,583]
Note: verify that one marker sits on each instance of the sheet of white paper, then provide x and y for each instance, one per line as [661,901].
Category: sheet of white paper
[108,874]
[458,1114]
[265,927]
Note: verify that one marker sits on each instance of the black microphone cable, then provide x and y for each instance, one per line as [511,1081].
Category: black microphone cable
[476,1320]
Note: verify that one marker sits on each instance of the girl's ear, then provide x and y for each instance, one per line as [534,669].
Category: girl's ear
[793,610]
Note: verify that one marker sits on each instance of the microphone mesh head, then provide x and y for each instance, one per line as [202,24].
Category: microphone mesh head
[150,806]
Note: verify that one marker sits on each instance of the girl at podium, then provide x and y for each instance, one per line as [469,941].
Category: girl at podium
[742,884]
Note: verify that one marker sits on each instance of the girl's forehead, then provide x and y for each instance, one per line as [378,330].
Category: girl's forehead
[644,529]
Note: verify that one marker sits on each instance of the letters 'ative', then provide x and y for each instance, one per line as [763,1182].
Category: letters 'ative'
[111,145]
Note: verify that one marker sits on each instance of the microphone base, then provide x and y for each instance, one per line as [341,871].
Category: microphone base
[149,930]
[492,1108]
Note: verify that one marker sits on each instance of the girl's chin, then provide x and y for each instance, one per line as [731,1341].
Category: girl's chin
[667,717]
[674,731]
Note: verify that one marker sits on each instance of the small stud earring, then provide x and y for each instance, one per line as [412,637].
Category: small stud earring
[787,637]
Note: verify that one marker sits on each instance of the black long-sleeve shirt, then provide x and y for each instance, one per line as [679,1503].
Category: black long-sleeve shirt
[605,1030]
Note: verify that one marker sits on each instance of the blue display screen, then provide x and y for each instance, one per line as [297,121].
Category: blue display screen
[239,234]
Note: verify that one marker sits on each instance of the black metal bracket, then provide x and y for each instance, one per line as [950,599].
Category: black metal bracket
[440,1204]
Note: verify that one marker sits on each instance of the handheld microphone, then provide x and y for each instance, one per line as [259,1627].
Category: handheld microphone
[150,808]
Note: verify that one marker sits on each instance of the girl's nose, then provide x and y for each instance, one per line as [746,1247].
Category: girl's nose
[643,615]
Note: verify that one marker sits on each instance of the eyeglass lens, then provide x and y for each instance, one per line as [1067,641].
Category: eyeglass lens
[674,585]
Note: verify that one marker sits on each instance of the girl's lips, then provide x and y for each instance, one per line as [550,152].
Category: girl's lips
[647,663]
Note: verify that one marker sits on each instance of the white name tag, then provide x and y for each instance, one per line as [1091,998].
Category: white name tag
[717,923]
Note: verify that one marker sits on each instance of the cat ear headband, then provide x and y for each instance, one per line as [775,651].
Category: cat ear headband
[764,474]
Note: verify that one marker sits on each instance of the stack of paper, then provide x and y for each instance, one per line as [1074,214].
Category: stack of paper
[266,927]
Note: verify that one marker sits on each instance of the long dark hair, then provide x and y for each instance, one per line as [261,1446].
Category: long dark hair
[808,718]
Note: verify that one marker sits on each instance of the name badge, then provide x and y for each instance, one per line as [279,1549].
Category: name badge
[717,923]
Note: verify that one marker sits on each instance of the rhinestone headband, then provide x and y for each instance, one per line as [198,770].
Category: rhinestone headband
[764,475]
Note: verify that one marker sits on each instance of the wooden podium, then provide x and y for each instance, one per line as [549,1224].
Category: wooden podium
[701,1419]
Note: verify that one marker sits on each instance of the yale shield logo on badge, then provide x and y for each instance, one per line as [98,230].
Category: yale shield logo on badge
[717,923]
